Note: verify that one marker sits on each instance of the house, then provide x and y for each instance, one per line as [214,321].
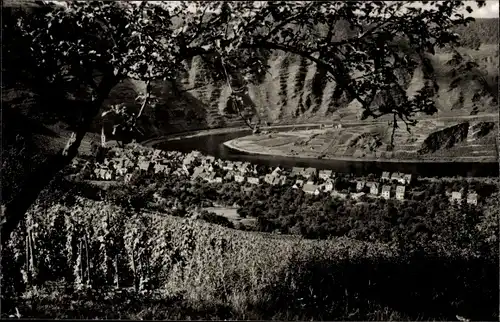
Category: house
[325,174]
[281,180]
[360,185]
[269,178]
[198,171]
[118,163]
[108,175]
[210,177]
[328,185]
[386,192]
[144,165]
[217,180]
[208,167]
[229,166]
[209,159]
[358,195]
[311,189]
[277,171]
[374,189]
[128,177]
[472,198]
[244,168]
[253,180]
[239,178]
[407,178]
[298,184]
[121,171]
[296,171]
[159,168]
[456,197]
[396,176]
[400,192]
[196,154]
[189,159]
[228,176]
[385,176]
[309,172]
[185,168]
[156,153]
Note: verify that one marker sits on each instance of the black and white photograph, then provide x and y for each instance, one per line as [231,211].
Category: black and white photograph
[250,160]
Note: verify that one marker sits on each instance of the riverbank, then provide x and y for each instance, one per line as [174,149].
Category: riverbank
[214,131]
[240,146]
[192,134]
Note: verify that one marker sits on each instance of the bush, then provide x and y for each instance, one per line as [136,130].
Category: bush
[213,218]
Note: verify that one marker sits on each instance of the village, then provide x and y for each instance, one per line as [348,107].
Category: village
[123,164]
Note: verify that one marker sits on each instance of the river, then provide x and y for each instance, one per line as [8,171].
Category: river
[212,144]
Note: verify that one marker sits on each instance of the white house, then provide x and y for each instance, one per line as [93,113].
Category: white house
[269,178]
[358,195]
[399,177]
[209,159]
[239,178]
[400,192]
[156,153]
[121,171]
[298,184]
[386,192]
[311,189]
[374,189]
[472,198]
[253,180]
[159,168]
[328,185]
[229,166]
[144,165]
[386,176]
[407,178]
[360,185]
[456,197]
[128,177]
[325,174]
[198,172]
[309,172]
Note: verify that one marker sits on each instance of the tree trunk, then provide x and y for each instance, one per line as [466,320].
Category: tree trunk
[14,211]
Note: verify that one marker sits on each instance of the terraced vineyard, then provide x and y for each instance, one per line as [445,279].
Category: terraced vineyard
[469,141]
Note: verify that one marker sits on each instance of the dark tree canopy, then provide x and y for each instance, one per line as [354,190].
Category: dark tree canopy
[88,47]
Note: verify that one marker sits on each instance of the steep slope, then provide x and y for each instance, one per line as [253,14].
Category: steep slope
[295,91]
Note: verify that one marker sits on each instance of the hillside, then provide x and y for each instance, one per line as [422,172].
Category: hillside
[471,139]
[287,94]
[293,91]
